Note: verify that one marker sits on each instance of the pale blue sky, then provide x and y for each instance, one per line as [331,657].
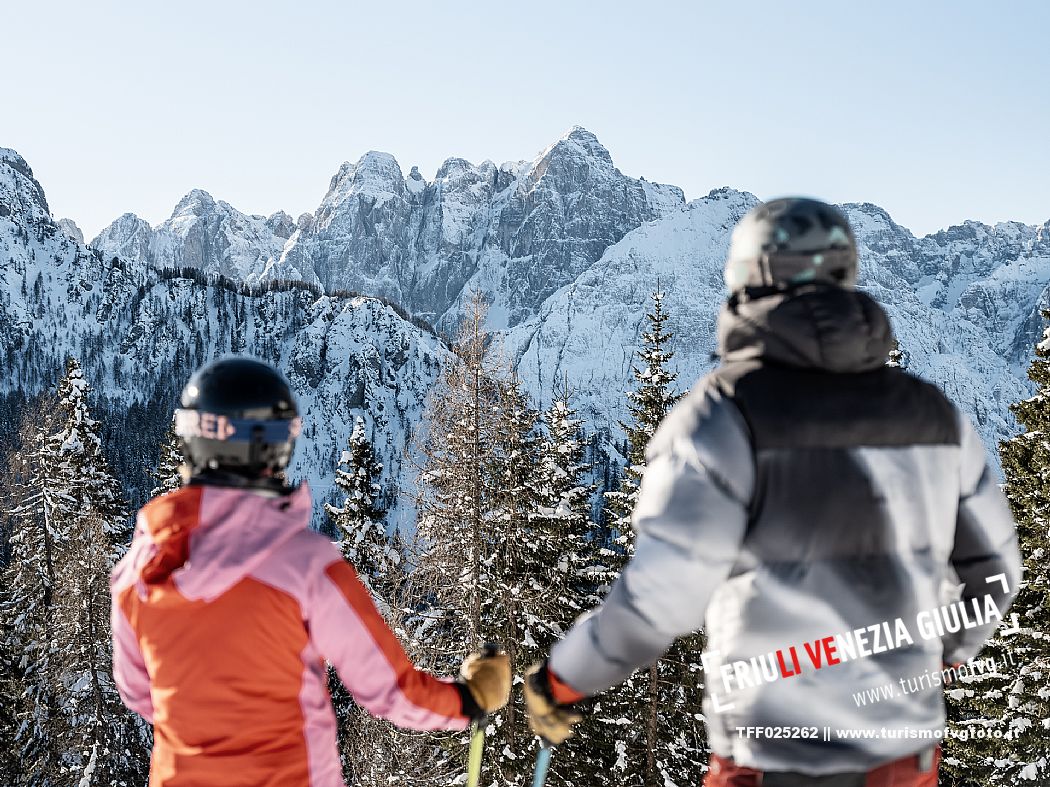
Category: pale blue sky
[936,110]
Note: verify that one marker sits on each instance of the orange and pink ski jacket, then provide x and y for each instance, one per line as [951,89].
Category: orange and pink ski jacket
[225,609]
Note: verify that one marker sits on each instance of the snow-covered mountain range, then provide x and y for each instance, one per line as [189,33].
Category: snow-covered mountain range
[565,247]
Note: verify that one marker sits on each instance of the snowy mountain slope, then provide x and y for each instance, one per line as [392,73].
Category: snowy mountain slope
[202,233]
[1000,271]
[589,330]
[140,332]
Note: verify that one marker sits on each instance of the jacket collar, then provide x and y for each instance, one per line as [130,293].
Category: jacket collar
[815,327]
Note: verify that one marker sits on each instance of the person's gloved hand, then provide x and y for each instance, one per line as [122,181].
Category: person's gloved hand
[488,679]
[549,719]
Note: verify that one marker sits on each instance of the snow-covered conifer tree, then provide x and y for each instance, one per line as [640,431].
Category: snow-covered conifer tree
[359,521]
[569,542]
[652,719]
[167,473]
[366,745]
[69,526]
[103,734]
[576,547]
[38,516]
[1014,703]
[897,356]
[651,400]
[523,582]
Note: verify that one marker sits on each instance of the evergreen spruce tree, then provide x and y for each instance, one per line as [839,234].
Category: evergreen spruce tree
[366,744]
[359,522]
[480,575]
[897,357]
[39,515]
[652,719]
[652,399]
[570,542]
[106,741]
[1016,702]
[167,474]
[69,523]
[525,582]
[575,545]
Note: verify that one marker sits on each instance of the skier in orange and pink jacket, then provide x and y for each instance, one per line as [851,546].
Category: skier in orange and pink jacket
[227,606]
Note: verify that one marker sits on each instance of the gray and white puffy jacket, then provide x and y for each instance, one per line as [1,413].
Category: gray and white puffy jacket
[802,490]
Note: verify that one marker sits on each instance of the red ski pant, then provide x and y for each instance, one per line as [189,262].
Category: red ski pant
[904,772]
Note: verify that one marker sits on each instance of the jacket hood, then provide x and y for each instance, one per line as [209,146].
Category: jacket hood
[824,328]
[208,538]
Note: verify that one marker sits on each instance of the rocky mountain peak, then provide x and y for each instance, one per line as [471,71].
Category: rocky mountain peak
[127,237]
[453,166]
[1042,238]
[71,230]
[580,139]
[376,171]
[21,196]
[571,161]
[197,203]
[375,176]
[281,224]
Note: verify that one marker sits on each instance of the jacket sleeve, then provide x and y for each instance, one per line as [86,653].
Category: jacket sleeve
[129,668]
[985,554]
[689,518]
[356,640]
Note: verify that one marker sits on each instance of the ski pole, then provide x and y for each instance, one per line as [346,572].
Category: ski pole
[477,732]
[543,761]
[477,746]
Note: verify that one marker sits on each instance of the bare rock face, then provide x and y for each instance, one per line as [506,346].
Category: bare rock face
[281,224]
[202,233]
[129,237]
[517,231]
[71,230]
[21,198]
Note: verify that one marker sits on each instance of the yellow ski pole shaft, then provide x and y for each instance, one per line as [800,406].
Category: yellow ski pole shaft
[477,733]
[477,748]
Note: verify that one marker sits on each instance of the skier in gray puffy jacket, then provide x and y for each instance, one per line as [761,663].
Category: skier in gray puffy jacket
[813,509]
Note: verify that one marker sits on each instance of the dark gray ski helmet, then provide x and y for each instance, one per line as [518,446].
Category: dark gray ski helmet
[238,416]
[791,241]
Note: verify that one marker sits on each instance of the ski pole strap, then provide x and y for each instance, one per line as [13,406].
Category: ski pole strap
[543,761]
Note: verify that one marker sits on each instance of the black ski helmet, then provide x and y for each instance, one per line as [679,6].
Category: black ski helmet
[791,241]
[238,416]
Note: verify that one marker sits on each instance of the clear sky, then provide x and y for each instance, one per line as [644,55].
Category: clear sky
[937,110]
